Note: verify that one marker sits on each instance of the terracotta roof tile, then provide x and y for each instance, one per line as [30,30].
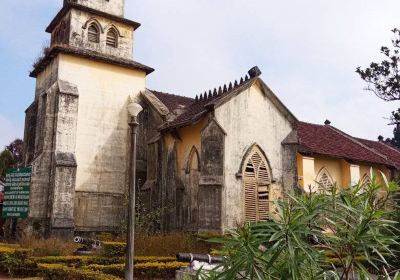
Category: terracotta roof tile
[390,152]
[329,141]
[172,101]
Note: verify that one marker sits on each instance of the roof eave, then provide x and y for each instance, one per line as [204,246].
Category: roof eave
[55,50]
[309,152]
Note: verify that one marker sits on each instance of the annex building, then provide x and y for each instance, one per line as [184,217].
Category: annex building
[209,162]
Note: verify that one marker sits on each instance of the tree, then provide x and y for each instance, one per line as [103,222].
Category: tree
[383,78]
[11,156]
[395,141]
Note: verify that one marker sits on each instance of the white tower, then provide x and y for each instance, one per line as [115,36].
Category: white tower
[76,130]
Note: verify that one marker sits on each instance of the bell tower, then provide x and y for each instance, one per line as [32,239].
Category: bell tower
[76,129]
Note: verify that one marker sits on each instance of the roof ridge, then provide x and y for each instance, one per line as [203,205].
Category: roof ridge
[353,139]
[171,94]
[222,90]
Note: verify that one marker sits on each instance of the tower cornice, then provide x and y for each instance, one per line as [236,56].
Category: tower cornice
[67,7]
[55,50]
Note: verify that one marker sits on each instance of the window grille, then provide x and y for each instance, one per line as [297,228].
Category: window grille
[324,179]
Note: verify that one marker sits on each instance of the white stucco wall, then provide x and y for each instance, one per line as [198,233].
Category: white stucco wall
[102,126]
[249,118]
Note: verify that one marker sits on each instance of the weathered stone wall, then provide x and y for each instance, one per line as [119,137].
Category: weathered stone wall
[249,118]
[211,177]
[54,167]
[77,24]
[30,132]
[114,7]
[44,147]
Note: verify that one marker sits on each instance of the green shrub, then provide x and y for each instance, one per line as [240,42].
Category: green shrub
[78,261]
[113,249]
[59,271]
[146,270]
[15,261]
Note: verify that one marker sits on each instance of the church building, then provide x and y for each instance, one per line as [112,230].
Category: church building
[209,163]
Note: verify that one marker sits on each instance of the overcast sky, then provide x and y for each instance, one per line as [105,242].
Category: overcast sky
[307,51]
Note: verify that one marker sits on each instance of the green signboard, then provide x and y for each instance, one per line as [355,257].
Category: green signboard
[16,193]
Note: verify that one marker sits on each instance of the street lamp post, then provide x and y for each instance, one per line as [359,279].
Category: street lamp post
[134,109]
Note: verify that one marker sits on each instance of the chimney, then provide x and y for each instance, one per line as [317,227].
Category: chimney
[327,122]
[254,72]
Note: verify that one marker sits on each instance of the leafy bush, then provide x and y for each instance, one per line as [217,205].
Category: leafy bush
[59,271]
[331,233]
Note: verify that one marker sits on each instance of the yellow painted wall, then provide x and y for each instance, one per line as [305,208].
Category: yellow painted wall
[365,169]
[342,172]
[189,136]
[300,173]
[102,126]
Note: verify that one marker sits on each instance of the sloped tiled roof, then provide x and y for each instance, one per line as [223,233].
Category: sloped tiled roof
[390,152]
[172,101]
[329,141]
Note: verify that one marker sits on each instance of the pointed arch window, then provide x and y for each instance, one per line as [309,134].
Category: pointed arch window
[193,180]
[93,33]
[365,182]
[112,38]
[256,181]
[324,179]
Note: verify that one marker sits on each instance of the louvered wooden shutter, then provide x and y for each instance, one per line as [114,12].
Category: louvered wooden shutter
[263,192]
[256,181]
[93,34]
[112,39]
[250,190]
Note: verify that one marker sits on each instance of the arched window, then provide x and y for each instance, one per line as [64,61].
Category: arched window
[256,181]
[112,38]
[93,33]
[324,179]
[192,170]
[365,181]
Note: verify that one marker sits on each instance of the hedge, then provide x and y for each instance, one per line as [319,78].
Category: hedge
[59,271]
[15,261]
[113,249]
[88,260]
[147,270]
